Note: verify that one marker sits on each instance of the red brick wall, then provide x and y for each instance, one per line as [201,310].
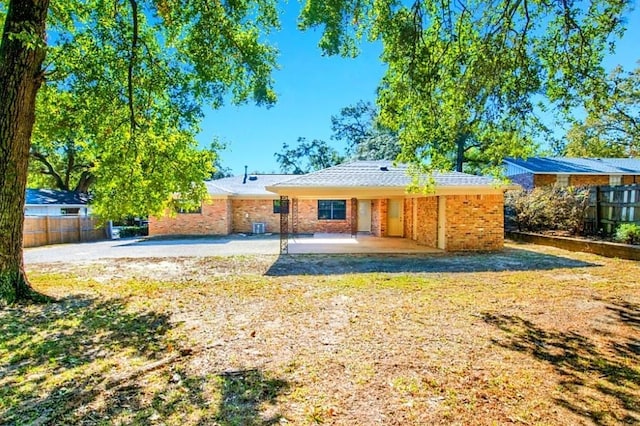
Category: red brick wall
[376,229]
[588,180]
[408,218]
[308,222]
[427,229]
[544,180]
[379,218]
[245,212]
[215,219]
[474,222]
[583,180]
[222,217]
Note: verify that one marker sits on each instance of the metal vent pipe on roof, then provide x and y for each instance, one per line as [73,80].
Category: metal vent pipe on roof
[245,175]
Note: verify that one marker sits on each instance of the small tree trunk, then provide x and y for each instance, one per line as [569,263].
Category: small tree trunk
[461,141]
[22,50]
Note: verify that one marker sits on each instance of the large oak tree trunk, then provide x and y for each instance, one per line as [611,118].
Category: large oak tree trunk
[22,51]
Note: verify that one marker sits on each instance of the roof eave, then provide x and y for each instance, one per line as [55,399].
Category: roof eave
[386,192]
[253,196]
[585,173]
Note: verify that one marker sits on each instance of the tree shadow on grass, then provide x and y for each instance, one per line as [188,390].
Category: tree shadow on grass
[247,398]
[85,361]
[57,357]
[599,382]
[507,260]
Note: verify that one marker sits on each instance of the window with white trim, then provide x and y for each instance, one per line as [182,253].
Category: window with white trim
[70,211]
[562,180]
[615,180]
[332,209]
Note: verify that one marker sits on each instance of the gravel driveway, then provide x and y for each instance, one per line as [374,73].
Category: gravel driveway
[140,248]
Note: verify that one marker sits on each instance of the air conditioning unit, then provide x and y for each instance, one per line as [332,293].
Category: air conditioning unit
[258,227]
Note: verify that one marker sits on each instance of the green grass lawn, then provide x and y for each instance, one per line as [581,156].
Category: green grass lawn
[533,335]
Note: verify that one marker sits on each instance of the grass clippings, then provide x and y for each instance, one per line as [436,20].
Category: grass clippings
[532,335]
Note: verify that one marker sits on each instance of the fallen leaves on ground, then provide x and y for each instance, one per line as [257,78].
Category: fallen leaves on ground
[531,335]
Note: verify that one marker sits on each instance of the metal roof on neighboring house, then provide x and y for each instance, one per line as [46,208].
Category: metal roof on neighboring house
[254,185]
[54,197]
[376,174]
[577,165]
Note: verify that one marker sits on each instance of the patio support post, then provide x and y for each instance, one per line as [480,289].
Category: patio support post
[294,216]
[354,217]
[597,212]
[284,224]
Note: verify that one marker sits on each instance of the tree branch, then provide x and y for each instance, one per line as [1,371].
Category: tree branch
[132,61]
[49,169]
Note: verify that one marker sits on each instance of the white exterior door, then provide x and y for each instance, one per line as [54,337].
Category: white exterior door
[364,216]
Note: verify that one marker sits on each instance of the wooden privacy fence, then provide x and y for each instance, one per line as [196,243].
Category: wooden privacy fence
[610,206]
[45,230]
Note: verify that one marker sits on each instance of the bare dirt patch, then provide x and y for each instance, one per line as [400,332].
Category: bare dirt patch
[532,335]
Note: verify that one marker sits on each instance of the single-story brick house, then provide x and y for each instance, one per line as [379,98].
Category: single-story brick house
[544,171]
[234,205]
[53,202]
[463,212]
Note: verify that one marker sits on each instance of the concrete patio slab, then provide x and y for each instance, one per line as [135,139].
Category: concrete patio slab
[234,245]
[344,243]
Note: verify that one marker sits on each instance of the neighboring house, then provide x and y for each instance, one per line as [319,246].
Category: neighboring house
[540,171]
[53,202]
[463,212]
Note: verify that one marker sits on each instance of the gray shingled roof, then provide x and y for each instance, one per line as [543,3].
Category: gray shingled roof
[253,187]
[362,174]
[54,196]
[578,165]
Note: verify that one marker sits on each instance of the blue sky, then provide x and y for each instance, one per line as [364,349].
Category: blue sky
[311,88]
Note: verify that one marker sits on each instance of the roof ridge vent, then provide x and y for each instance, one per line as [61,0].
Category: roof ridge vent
[384,168]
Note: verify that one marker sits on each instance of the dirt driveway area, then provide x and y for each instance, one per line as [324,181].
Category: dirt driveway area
[153,248]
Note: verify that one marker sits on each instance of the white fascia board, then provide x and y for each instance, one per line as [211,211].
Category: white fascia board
[58,205]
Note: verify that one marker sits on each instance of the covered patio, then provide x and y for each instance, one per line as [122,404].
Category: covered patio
[371,201]
[325,243]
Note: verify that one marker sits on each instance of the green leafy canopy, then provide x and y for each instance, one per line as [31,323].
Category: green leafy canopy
[464,77]
[126,83]
[611,127]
